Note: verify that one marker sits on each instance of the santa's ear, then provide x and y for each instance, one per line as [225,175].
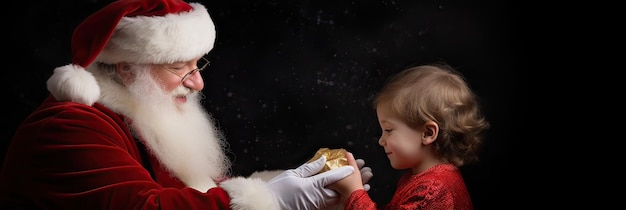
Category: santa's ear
[431,131]
[124,72]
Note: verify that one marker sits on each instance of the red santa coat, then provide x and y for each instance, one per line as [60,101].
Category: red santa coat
[72,156]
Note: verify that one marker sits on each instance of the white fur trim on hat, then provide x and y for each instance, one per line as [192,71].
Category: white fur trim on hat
[249,193]
[73,83]
[174,37]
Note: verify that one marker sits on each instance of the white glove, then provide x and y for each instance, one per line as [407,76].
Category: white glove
[366,173]
[297,189]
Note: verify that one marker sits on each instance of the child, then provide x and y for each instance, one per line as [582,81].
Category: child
[431,125]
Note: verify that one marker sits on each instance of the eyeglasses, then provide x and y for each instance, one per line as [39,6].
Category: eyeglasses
[202,62]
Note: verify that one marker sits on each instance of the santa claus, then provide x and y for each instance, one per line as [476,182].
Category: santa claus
[124,128]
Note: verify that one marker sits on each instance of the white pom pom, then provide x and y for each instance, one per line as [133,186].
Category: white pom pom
[74,83]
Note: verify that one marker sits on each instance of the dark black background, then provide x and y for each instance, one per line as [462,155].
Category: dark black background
[289,77]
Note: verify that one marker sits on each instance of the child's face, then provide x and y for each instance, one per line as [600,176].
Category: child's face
[402,143]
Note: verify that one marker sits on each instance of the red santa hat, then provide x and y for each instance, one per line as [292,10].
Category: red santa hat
[133,31]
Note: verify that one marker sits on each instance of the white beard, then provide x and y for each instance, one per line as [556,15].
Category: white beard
[182,137]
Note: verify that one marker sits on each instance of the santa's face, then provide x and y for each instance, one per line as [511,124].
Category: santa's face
[170,76]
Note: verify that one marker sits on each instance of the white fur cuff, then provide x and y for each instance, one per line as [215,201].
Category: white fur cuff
[249,193]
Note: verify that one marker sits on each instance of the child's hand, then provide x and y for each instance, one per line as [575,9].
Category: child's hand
[350,183]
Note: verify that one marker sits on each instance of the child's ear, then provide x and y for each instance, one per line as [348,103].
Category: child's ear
[431,131]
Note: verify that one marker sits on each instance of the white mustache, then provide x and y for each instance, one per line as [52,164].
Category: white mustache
[182,91]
